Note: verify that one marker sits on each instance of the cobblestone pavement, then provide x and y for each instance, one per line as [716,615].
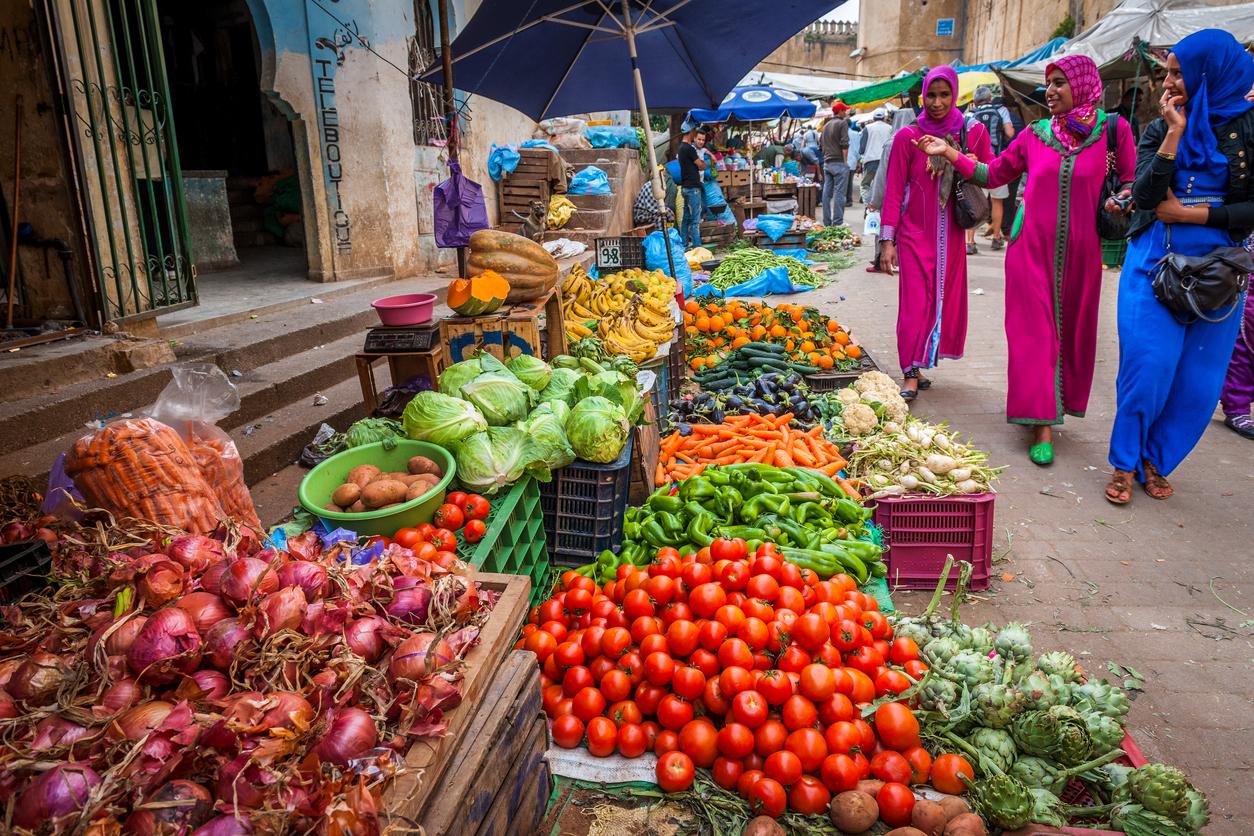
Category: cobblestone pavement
[1163,587]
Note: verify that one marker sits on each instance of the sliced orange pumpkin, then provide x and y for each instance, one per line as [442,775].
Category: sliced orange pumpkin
[479,295]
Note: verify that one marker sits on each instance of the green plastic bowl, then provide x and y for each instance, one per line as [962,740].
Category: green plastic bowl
[318,485]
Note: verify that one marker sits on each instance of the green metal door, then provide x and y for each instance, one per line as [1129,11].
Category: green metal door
[117,106]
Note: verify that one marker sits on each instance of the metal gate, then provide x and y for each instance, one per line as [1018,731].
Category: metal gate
[111,69]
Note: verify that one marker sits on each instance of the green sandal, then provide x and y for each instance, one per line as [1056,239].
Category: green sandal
[1042,454]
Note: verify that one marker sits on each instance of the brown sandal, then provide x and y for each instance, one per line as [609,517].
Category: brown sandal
[1156,485]
[1119,488]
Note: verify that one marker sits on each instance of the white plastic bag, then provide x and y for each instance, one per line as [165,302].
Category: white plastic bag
[871,226]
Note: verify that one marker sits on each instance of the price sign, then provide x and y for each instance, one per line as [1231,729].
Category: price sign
[609,254]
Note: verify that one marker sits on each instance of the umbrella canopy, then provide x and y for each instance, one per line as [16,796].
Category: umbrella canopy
[754,104]
[559,57]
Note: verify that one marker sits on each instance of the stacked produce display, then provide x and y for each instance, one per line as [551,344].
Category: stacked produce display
[811,341]
[628,310]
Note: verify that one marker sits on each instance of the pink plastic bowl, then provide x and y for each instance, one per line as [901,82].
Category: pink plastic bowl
[405,309]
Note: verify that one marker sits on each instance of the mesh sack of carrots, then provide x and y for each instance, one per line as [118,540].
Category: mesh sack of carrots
[746,438]
[223,468]
[141,468]
[715,329]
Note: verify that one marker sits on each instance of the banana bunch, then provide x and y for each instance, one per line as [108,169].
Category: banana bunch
[628,310]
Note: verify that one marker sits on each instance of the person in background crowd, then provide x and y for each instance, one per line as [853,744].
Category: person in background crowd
[809,160]
[692,166]
[1127,109]
[852,160]
[871,148]
[772,155]
[1238,392]
[834,142]
[1193,194]
[1054,265]
[996,120]
[875,198]
[1010,209]
[919,228]
[646,210]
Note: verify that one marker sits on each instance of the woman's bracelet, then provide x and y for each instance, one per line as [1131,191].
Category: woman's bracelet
[1169,156]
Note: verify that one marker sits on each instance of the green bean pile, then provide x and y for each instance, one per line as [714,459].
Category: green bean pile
[743,265]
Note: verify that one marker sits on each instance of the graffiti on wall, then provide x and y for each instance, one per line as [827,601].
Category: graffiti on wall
[329,54]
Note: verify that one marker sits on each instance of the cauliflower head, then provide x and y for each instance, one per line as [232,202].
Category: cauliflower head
[874,382]
[859,419]
[848,397]
[895,407]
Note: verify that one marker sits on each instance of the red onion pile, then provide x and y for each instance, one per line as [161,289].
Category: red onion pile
[205,686]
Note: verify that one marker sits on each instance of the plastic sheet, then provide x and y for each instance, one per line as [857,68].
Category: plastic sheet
[769,281]
[774,226]
[655,257]
[611,136]
[502,160]
[590,180]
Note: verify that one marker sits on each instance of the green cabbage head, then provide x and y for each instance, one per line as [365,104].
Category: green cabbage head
[440,419]
[597,428]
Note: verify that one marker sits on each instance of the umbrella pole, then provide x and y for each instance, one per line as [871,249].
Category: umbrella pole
[659,194]
[446,58]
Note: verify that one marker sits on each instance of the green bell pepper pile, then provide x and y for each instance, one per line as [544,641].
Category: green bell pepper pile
[816,524]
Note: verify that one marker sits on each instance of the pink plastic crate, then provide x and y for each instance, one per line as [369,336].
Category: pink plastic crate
[921,530]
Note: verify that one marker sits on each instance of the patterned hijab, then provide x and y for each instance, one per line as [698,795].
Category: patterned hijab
[1074,126]
[951,123]
[1218,72]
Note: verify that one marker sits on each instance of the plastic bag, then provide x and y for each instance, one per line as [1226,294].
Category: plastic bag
[459,209]
[871,226]
[773,226]
[61,495]
[192,404]
[770,280]
[591,180]
[538,143]
[502,160]
[655,257]
[612,136]
[560,210]
[716,203]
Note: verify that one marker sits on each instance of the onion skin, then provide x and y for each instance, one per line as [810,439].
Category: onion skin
[224,826]
[38,679]
[419,656]
[56,732]
[62,790]
[364,637]
[309,576]
[139,720]
[162,583]
[410,606]
[285,710]
[167,646]
[214,684]
[205,608]
[119,696]
[7,668]
[195,552]
[211,580]
[120,640]
[350,734]
[15,532]
[223,641]
[195,811]
[8,708]
[283,610]
[247,579]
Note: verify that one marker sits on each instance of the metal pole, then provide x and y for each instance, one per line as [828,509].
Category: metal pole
[450,111]
[659,194]
[17,194]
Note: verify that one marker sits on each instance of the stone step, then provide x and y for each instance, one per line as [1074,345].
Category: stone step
[592,201]
[246,224]
[589,219]
[586,236]
[590,156]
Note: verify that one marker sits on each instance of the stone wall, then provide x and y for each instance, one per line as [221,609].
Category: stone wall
[901,35]
[822,47]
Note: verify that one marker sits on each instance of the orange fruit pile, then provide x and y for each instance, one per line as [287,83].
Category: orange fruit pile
[714,329]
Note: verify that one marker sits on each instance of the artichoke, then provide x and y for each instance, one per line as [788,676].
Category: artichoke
[1106,732]
[970,668]
[995,746]
[1135,820]
[1099,695]
[1112,780]
[1060,663]
[912,629]
[1052,734]
[1002,801]
[939,651]
[979,639]
[938,694]
[1198,814]
[1042,691]
[1161,789]
[1013,642]
[1038,772]
[996,705]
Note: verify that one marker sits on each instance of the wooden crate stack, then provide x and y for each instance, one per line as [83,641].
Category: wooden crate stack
[527,183]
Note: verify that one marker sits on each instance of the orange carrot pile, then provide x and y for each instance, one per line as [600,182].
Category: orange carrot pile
[742,439]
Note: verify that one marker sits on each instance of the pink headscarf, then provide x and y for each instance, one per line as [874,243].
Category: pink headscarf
[951,123]
[1074,126]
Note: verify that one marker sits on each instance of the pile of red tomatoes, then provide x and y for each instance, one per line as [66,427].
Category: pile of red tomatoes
[741,663]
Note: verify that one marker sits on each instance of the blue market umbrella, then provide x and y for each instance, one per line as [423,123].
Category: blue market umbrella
[753,103]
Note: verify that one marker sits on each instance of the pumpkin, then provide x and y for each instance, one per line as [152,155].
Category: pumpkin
[481,294]
[527,266]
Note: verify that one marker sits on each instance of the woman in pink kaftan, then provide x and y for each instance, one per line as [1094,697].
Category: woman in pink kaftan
[1054,261]
[921,237]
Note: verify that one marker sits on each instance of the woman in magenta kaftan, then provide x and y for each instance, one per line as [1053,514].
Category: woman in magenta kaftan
[921,237]
[1054,261]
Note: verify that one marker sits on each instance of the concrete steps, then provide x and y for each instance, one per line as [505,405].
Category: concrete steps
[603,215]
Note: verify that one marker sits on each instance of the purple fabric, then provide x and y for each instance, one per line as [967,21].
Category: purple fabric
[1074,126]
[1238,392]
[459,209]
[951,124]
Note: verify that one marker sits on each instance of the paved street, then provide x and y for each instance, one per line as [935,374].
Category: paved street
[1163,587]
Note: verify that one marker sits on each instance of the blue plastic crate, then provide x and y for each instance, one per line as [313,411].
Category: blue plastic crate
[583,508]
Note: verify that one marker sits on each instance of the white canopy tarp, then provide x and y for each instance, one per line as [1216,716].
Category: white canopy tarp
[810,86]
[1156,23]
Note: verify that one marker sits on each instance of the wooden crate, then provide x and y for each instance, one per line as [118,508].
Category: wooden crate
[427,761]
[526,183]
[506,740]
[508,332]
[401,367]
[715,234]
[808,200]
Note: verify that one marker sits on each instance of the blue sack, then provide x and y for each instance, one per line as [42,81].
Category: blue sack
[773,226]
[591,180]
[655,257]
[769,281]
[714,197]
[673,168]
[538,143]
[611,136]
[502,160]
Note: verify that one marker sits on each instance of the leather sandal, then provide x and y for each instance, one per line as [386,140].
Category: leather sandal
[924,383]
[1156,485]
[1119,488]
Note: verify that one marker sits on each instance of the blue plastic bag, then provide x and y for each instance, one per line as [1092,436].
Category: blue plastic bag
[770,280]
[714,197]
[538,143]
[611,136]
[502,160]
[655,257]
[673,168]
[591,180]
[801,255]
[773,226]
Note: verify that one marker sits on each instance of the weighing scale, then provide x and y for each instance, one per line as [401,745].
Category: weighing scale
[402,339]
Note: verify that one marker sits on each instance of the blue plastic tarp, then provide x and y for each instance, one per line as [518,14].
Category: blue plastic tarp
[591,180]
[612,136]
[769,281]
[538,143]
[502,160]
[773,226]
[655,257]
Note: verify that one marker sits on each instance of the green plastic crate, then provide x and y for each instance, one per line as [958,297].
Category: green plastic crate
[1113,252]
[514,544]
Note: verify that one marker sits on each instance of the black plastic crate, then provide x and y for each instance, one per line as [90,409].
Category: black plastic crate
[619,253]
[583,508]
[829,381]
[676,365]
[24,568]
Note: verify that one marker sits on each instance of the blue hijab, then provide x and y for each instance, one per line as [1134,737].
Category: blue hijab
[1218,72]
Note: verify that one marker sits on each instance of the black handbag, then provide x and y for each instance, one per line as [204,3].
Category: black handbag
[971,204]
[1112,226]
[1199,287]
